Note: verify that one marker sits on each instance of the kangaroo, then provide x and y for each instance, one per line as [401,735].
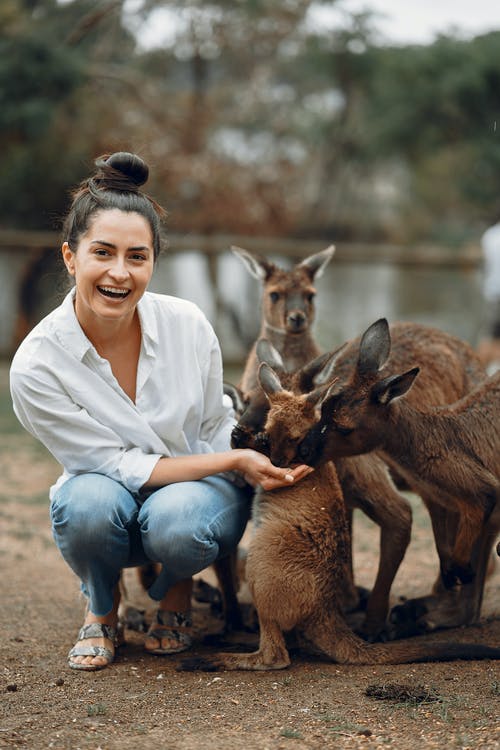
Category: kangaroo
[365,485]
[449,454]
[297,559]
[287,310]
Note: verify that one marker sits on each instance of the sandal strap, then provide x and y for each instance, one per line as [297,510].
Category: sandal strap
[92,651]
[174,619]
[180,636]
[98,630]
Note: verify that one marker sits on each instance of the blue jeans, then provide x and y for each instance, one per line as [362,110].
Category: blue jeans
[101,528]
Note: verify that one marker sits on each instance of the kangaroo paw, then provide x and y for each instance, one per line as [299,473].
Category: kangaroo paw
[457,574]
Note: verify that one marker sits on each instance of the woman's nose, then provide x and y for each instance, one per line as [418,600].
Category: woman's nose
[118,269]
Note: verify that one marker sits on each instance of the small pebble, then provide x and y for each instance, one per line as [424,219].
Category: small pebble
[12,687]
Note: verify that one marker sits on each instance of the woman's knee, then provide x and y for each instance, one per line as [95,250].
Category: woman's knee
[196,521]
[89,504]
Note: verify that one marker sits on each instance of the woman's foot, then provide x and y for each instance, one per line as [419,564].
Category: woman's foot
[97,641]
[170,631]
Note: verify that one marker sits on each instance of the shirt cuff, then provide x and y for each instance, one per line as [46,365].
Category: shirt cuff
[136,468]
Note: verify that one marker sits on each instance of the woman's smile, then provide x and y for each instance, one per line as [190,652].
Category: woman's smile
[113,292]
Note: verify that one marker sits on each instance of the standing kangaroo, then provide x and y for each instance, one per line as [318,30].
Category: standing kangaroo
[297,559]
[450,455]
[287,310]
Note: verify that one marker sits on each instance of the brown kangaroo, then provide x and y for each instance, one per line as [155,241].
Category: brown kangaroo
[297,559]
[365,485]
[287,310]
[450,455]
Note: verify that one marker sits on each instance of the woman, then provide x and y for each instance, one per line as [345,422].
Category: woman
[124,387]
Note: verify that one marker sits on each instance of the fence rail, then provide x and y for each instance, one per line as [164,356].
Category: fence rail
[467,256]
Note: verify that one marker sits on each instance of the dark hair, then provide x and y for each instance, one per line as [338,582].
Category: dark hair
[115,184]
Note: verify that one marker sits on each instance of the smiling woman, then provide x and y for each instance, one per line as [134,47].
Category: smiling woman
[112,270]
[124,387]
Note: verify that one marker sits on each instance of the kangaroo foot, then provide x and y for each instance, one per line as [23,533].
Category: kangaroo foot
[457,574]
[448,609]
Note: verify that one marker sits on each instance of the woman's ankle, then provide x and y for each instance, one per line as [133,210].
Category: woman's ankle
[178,597]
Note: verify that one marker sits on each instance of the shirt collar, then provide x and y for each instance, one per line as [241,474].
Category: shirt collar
[149,324]
[71,335]
[68,330]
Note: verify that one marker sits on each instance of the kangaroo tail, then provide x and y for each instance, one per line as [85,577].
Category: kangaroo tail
[336,640]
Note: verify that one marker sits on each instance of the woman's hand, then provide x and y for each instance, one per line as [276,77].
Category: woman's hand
[258,470]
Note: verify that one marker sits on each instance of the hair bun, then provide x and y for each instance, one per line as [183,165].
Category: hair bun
[130,165]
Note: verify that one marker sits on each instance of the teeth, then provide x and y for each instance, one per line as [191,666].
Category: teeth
[113,290]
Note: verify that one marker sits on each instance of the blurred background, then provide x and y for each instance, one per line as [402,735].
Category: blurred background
[282,127]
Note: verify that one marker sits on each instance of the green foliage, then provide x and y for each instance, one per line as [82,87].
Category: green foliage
[253,122]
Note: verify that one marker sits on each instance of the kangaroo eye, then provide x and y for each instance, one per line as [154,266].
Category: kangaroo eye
[310,297]
[303,451]
[274,296]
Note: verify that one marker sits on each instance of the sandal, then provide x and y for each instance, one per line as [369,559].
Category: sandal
[165,625]
[94,630]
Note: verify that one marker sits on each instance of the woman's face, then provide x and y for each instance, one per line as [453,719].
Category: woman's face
[112,266]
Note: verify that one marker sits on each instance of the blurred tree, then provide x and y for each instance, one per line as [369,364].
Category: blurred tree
[44,68]
[253,120]
[436,109]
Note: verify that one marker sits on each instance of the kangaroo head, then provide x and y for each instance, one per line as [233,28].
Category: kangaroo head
[290,416]
[356,413]
[288,295]
[249,432]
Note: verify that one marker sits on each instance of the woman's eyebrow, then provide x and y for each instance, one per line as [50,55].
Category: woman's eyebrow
[110,244]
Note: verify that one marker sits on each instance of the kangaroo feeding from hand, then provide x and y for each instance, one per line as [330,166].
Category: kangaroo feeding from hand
[296,561]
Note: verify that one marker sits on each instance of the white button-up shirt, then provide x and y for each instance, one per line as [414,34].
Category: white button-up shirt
[66,395]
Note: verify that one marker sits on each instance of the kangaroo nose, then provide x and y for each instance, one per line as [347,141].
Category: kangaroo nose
[296,320]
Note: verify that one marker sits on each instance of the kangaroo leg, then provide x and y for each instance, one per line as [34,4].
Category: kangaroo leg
[366,485]
[453,607]
[470,525]
[349,593]
[444,527]
[226,572]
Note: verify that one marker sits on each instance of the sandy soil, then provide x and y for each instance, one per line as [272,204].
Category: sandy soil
[142,702]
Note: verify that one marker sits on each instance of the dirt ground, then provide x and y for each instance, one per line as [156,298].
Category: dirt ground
[142,702]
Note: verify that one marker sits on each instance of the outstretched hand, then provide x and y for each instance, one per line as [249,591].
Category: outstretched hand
[258,470]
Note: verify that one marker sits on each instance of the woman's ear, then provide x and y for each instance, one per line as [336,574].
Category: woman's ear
[68,258]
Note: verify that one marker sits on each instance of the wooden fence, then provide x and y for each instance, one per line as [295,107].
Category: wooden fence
[31,271]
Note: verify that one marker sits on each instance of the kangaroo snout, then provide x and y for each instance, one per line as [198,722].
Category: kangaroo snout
[296,321]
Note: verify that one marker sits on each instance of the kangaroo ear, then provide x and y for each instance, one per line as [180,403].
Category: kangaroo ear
[268,379]
[374,348]
[266,352]
[325,374]
[321,393]
[394,386]
[318,371]
[235,395]
[316,264]
[258,266]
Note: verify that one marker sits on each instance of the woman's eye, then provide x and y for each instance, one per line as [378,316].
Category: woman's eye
[138,256]
[101,251]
